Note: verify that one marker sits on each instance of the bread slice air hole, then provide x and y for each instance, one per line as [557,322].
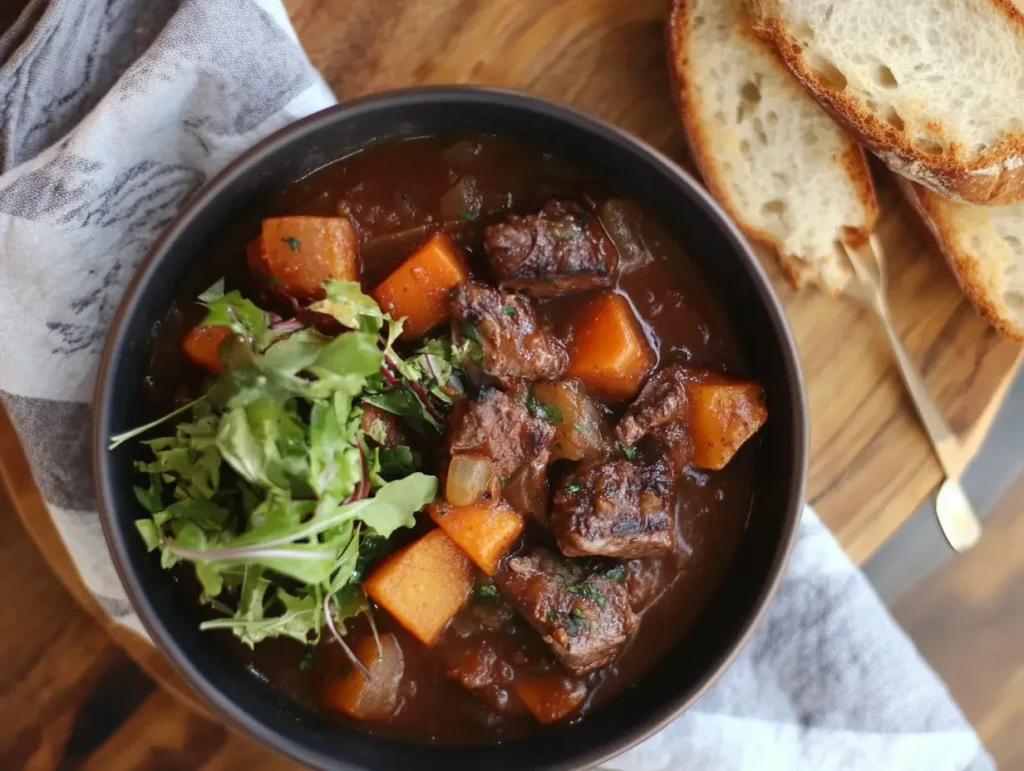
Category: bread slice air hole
[928,146]
[885,77]
[827,72]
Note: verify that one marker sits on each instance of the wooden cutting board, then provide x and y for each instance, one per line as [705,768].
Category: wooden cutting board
[871,465]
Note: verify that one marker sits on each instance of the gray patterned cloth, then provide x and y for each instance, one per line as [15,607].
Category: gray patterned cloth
[113,113]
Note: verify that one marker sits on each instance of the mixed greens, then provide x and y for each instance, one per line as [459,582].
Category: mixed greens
[269,484]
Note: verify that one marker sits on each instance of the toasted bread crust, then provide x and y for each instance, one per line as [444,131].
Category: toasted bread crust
[798,272]
[965,267]
[996,177]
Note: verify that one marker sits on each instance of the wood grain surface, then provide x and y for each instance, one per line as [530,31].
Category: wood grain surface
[871,464]
[968,621]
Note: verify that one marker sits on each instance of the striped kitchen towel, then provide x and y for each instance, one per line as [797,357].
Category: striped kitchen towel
[113,113]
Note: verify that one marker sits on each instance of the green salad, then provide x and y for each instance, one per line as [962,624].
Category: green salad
[268,484]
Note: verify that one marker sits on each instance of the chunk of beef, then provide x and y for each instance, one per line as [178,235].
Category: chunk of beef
[503,332]
[527,490]
[616,508]
[500,427]
[662,400]
[585,618]
[696,415]
[563,248]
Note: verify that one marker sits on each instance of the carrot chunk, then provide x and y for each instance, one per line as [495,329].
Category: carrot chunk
[418,289]
[373,699]
[301,253]
[485,533]
[423,585]
[610,352]
[202,346]
[724,413]
[550,697]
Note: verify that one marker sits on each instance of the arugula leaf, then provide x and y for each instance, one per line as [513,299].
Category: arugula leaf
[353,353]
[150,533]
[261,476]
[298,621]
[395,461]
[346,302]
[295,352]
[335,465]
[232,310]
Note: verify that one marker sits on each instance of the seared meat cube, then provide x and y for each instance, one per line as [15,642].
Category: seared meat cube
[561,249]
[504,326]
[698,416]
[662,400]
[501,428]
[616,508]
[585,618]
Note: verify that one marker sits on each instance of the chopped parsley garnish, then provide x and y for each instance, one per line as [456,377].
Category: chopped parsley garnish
[617,574]
[579,427]
[293,243]
[467,215]
[629,452]
[543,410]
[574,623]
[610,489]
[508,310]
[573,487]
[468,331]
[486,591]
[590,592]
[405,198]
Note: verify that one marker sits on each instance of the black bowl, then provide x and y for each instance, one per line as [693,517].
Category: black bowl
[712,241]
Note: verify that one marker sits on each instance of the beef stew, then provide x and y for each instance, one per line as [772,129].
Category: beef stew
[583,599]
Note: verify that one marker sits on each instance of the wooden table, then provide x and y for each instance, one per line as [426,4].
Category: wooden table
[871,465]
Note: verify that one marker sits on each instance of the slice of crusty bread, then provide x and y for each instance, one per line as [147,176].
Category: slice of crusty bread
[775,160]
[985,247]
[934,87]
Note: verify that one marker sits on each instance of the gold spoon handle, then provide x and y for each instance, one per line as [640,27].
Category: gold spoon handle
[956,517]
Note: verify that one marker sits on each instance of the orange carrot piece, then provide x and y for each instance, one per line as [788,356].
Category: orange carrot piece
[301,253]
[423,585]
[610,353]
[202,346]
[485,533]
[550,697]
[377,698]
[418,289]
[724,413]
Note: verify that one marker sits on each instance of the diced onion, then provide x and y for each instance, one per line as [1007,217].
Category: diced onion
[471,479]
[461,201]
[621,221]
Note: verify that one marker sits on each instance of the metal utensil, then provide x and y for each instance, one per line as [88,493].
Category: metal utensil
[956,517]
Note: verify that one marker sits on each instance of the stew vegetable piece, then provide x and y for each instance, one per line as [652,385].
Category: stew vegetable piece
[610,353]
[418,290]
[438,459]
[301,253]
